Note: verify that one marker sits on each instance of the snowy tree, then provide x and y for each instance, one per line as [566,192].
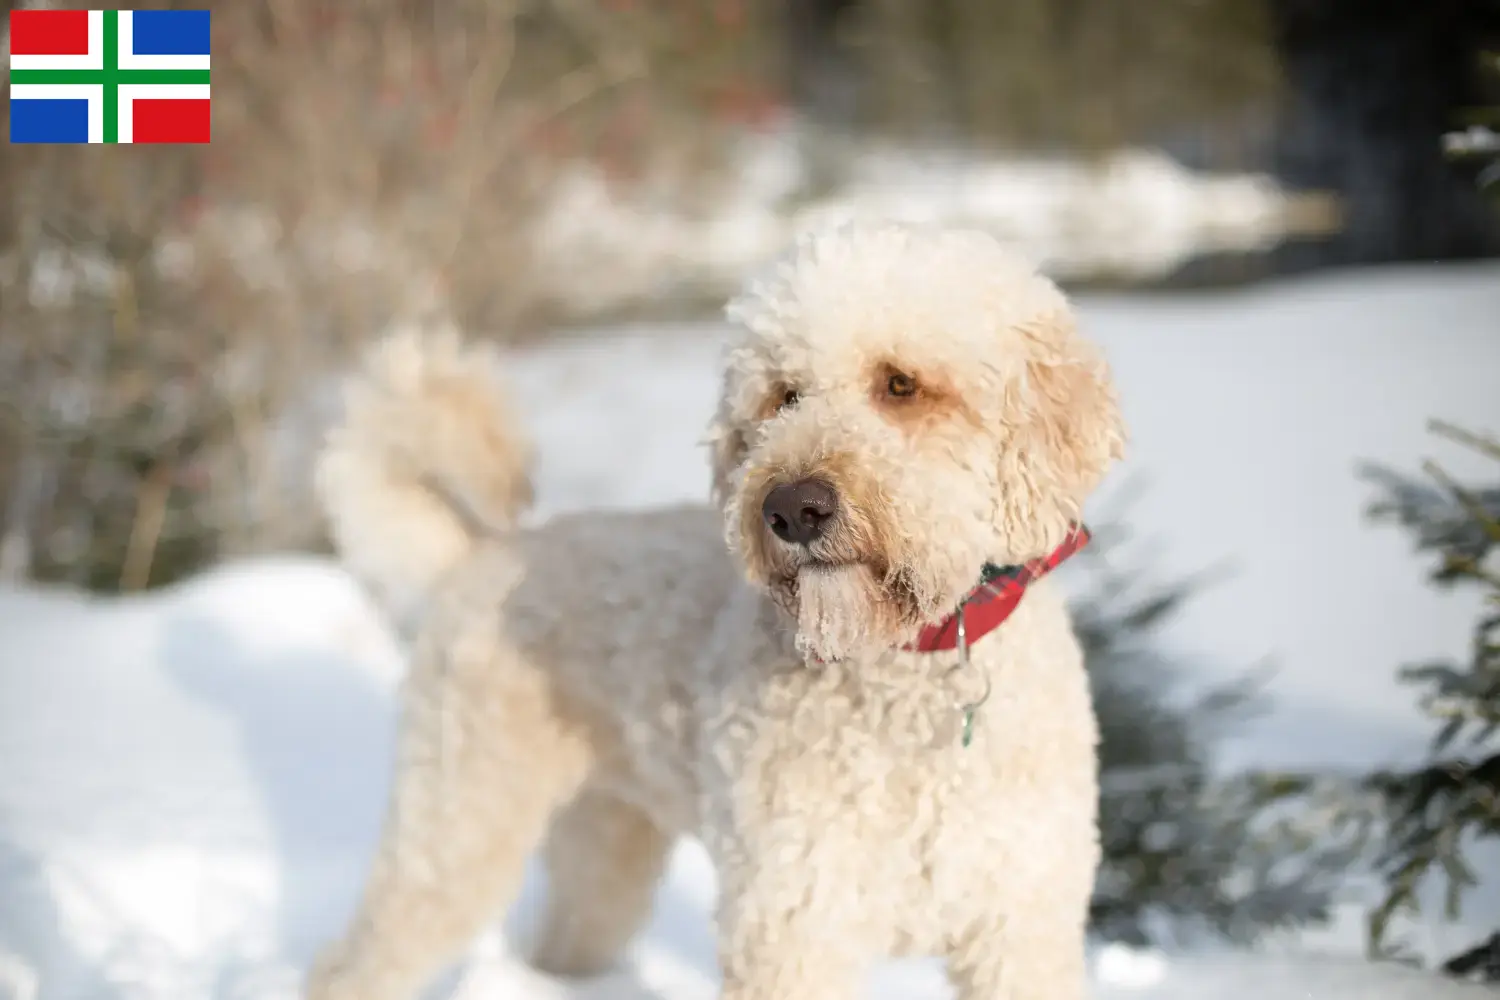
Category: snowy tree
[1433,813]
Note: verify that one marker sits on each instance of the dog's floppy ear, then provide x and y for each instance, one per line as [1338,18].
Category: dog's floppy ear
[1065,429]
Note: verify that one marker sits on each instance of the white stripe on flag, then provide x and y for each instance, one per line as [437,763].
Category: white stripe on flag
[94,59]
[171,91]
[92,92]
[129,60]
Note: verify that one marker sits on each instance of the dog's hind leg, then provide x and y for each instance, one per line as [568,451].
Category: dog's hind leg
[604,858]
[486,760]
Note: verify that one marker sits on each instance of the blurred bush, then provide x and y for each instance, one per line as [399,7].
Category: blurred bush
[1188,850]
[1048,74]
[166,312]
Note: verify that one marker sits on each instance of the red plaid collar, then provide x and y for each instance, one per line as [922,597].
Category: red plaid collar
[994,598]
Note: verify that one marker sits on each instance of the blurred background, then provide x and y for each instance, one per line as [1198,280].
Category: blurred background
[1281,219]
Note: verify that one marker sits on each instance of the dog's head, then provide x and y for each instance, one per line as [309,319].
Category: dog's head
[904,406]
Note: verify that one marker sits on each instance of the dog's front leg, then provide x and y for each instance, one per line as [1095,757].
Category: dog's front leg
[778,942]
[793,923]
[1037,953]
[790,924]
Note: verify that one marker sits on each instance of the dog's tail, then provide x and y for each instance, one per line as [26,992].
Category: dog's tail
[427,461]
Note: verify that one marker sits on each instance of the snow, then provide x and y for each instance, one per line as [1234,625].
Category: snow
[162,819]
[191,781]
[1134,214]
[1227,976]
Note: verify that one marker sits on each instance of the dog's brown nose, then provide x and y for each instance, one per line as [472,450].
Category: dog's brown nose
[799,512]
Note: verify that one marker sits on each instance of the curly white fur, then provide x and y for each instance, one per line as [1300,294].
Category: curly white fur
[606,682]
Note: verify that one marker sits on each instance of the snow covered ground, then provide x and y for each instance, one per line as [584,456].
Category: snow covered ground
[191,781]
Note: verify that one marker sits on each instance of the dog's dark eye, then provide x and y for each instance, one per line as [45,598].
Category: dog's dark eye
[900,385]
[790,399]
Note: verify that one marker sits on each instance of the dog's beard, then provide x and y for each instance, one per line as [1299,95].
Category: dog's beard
[849,599]
[858,591]
[845,611]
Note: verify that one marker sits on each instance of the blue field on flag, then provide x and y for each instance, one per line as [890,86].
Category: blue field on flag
[65,121]
[171,33]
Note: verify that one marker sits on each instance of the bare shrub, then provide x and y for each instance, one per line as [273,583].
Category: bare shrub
[168,314]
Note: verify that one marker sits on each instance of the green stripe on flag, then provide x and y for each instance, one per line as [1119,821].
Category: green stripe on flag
[111,67]
[97,76]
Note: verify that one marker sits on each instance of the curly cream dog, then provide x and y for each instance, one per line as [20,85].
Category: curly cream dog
[905,408]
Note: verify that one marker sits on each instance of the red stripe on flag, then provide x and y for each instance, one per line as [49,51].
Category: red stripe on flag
[161,119]
[49,32]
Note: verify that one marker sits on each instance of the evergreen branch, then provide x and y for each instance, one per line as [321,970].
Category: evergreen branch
[1482,958]
[1470,567]
[1481,443]
[1429,814]
[1470,502]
